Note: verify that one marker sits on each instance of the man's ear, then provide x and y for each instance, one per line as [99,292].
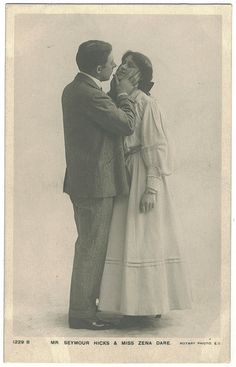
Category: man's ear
[99,69]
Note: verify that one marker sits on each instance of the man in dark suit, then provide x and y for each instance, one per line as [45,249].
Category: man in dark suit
[95,172]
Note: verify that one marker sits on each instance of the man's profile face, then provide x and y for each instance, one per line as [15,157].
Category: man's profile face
[107,69]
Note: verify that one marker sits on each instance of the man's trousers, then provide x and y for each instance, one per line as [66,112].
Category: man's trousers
[93,218]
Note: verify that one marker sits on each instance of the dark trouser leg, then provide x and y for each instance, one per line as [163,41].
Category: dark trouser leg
[93,218]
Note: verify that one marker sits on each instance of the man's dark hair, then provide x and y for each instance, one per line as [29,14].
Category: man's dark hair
[91,54]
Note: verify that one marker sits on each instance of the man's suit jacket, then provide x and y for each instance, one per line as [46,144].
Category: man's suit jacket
[93,130]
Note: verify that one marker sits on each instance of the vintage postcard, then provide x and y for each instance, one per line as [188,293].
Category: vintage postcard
[117,216]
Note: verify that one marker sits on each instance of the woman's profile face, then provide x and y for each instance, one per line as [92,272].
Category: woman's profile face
[128,67]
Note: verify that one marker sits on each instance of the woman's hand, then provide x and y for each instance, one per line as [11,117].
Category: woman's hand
[148,201]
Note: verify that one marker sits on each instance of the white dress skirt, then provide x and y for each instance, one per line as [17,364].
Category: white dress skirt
[145,272]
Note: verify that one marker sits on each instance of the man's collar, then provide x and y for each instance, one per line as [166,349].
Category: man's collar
[99,84]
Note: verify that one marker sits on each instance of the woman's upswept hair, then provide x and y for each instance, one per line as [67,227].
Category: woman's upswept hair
[145,67]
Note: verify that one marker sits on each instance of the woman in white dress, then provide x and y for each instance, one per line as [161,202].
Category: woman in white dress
[144,273]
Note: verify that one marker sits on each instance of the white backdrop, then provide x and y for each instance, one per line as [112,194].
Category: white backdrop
[186,56]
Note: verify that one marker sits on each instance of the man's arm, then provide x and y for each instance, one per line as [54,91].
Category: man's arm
[118,119]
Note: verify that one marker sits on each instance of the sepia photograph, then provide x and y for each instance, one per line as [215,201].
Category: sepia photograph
[117,217]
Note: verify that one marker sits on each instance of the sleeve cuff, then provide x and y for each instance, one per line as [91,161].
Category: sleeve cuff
[124,95]
[153,183]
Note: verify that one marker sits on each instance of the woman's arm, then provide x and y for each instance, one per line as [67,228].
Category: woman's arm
[155,153]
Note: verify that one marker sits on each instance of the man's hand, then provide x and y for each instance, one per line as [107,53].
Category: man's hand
[147,202]
[112,93]
[133,75]
[127,83]
[123,86]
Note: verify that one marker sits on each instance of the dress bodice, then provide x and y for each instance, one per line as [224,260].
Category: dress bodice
[150,139]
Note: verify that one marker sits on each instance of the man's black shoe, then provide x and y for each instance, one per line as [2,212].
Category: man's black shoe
[89,324]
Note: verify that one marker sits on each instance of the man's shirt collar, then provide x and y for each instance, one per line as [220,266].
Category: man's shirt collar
[99,84]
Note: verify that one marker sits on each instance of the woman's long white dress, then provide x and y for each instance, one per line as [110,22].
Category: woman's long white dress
[145,273]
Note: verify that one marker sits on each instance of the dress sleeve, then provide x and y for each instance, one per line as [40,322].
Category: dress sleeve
[155,150]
